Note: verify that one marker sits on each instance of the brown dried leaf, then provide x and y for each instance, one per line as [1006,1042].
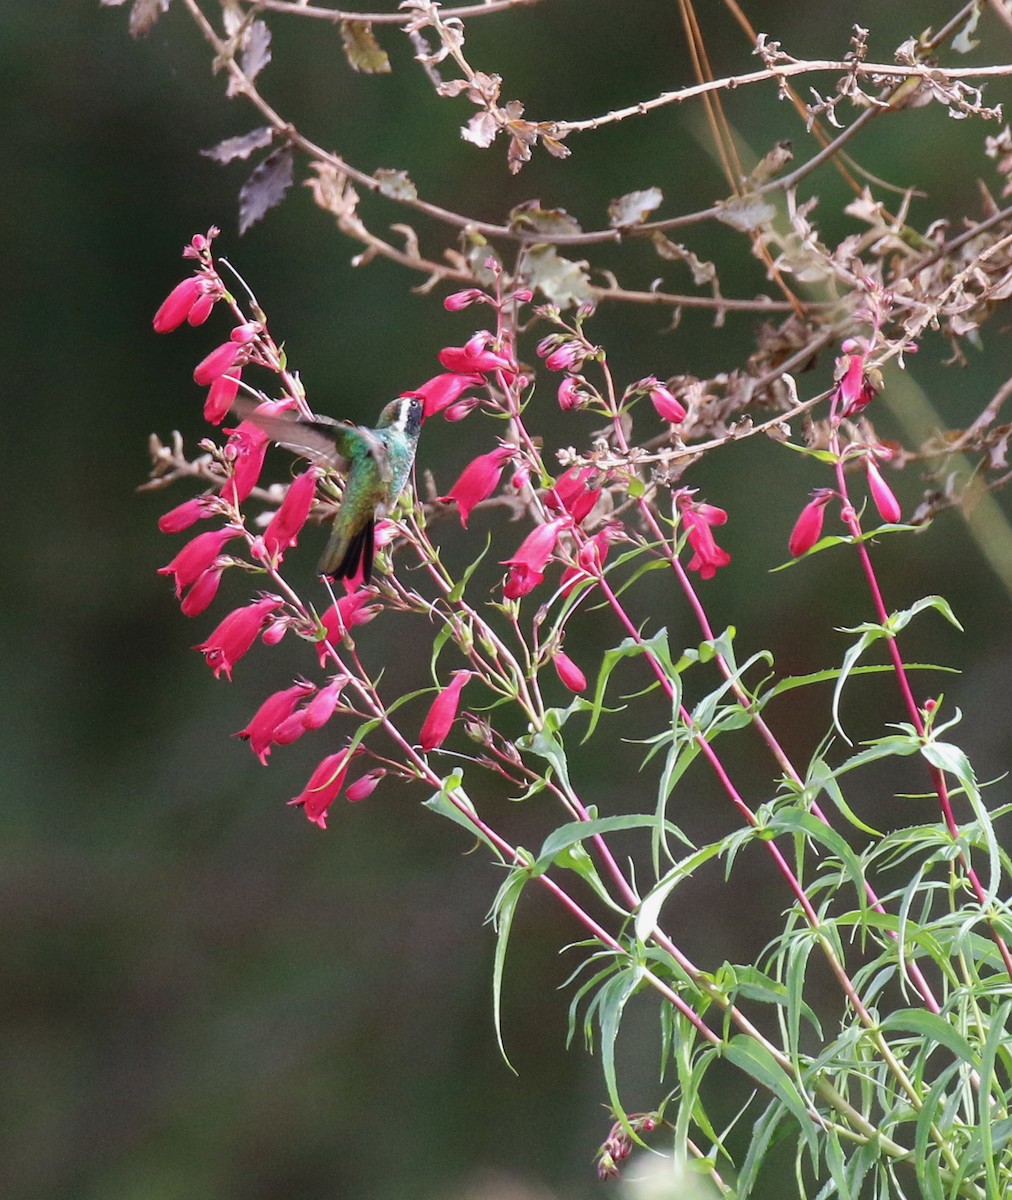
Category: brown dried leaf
[530,215]
[362,50]
[240,147]
[143,14]
[265,187]
[634,207]
[395,184]
[256,51]
[748,213]
[561,281]
[481,129]
[772,163]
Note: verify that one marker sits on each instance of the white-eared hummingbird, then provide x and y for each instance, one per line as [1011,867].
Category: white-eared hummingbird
[375,462]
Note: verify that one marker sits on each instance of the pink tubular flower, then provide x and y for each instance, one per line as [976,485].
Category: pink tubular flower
[666,405]
[886,503]
[176,306]
[320,709]
[474,356]
[324,786]
[221,396]
[441,391]
[364,786]
[201,309]
[854,391]
[569,672]
[571,493]
[216,363]
[265,721]
[478,481]
[567,357]
[698,519]
[242,335]
[203,592]
[461,409]
[570,394]
[197,556]
[247,448]
[590,559]
[442,713]
[808,527]
[527,566]
[286,524]
[236,634]
[356,608]
[458,300]
[184,515]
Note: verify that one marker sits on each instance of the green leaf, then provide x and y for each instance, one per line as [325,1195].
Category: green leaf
[577,831]
[503,911]
[992,1045]
[457,592]
[456,808]
[629,648]
[797,820]
[758,1063]
[933,1028]
[610,1004]
[821,778]
[648,912]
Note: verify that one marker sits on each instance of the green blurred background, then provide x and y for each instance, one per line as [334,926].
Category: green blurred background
[202,994]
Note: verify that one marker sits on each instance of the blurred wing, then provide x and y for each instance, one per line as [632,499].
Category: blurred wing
[320,439]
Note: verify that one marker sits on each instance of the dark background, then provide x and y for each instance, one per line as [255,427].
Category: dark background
[202,994]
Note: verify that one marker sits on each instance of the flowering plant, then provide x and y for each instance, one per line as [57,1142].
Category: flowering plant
[900,1083]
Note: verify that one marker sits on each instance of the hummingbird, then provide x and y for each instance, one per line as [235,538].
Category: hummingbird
[376,464]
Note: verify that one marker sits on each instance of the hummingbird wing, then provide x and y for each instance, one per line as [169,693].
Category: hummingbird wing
[320,439]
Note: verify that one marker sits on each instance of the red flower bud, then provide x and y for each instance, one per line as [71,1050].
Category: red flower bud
[886,503]
[176,306]
[569,672]
[216,363]
[442,713]
[667,406]
[808,527]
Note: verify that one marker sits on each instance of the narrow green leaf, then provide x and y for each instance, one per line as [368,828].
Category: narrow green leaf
[442,804]
[503,911]
[931,1027]
[613,998]
[756,1061]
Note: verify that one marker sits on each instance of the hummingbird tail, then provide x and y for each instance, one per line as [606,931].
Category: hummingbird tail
[342,558]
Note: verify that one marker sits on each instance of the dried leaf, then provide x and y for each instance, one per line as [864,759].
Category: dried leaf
[453,87]
[477,254]
[265,187]
[395,184]
[143,13]
[748,213]
[703,272]
[481,129]
[771,164]
[256,52]
[964,41]
[530,215]
[240,147]
[362,50]
[634,207]
[561,281]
